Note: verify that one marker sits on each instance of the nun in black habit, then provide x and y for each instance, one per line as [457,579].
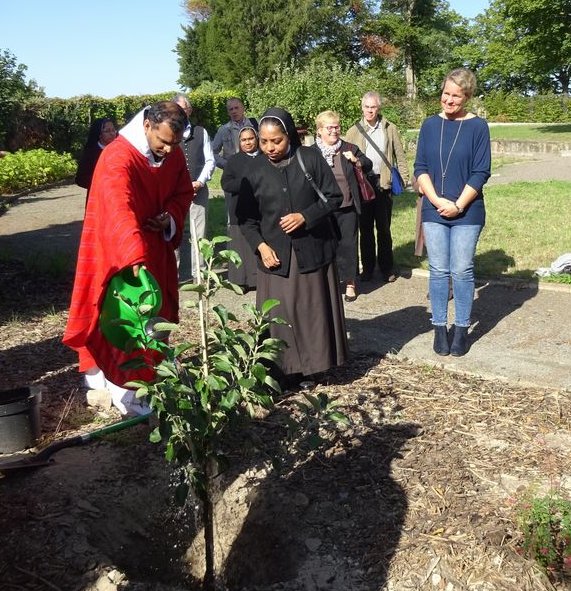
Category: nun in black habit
[101,133]
[289,228]
[232,175]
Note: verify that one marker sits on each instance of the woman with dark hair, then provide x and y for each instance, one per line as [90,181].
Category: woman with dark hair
[452,165]
[101,133]
[234,172]
[342,157]
[287,223]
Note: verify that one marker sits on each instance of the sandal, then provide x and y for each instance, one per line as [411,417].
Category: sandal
[350,293]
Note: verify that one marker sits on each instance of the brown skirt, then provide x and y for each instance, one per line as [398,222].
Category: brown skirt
[311,303]
[245,274]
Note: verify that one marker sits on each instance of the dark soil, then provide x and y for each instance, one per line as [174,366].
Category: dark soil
[418,493]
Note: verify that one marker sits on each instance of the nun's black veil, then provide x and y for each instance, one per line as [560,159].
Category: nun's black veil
[287,121]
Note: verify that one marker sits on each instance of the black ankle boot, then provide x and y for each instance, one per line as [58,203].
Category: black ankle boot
[441,346]
[459,345]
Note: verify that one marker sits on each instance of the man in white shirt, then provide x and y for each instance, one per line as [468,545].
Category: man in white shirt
[200,163]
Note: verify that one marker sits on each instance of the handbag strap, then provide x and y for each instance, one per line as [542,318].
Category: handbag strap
[370,140]
[309,177]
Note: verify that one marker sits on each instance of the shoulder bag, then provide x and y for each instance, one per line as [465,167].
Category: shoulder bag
[397,183]
[365,188]
[332,223]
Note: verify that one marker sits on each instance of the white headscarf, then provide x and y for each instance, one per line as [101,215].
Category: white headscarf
[134,133]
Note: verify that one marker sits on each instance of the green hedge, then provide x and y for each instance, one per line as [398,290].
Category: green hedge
[306,91]
[67,121]
[62,124]
[515,108]
[25,170]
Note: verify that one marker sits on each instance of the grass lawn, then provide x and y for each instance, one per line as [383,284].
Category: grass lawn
[560,132]
[538,132]
[525,228]
[216,216]
[214,182]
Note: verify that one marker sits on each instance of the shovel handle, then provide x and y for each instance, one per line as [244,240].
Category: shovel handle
[54,447]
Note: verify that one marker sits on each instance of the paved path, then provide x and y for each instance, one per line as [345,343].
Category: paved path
[521,333]
[538,167]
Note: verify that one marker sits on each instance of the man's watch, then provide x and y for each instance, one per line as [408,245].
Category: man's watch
[460,209]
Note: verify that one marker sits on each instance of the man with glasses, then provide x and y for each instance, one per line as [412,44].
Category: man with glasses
[379,139]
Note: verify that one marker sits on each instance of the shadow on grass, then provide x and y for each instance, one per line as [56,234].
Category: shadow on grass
[42,285]
[550,129]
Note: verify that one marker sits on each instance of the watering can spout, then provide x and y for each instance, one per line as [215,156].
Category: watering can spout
[152,331]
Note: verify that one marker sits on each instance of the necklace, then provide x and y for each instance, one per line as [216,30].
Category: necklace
[444,169]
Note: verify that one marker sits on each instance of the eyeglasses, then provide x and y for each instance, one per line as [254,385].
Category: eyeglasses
[331,128]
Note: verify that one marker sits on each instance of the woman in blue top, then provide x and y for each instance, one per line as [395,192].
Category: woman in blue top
[452,165]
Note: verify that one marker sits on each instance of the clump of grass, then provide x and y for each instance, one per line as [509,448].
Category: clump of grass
[55,265]
[564,278]
[545,523]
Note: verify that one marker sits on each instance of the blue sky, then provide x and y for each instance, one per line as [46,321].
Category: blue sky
[106,47]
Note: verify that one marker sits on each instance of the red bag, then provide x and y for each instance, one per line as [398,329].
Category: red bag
[365,187]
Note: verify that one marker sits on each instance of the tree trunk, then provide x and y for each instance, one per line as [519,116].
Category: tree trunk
[563,77]
[208,584]
[410,76]
[410,81]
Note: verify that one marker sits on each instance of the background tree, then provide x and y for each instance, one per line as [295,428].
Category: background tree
[192,66]
[15,90]
[544,28]
[418,38]
[522,46]
[232,42]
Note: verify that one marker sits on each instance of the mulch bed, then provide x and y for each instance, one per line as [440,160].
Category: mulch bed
[418,493]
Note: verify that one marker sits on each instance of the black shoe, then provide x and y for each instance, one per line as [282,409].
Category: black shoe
[459,345]
[441,346]
[290,382]
[390,277]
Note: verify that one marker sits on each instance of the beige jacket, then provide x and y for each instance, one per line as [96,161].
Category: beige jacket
[392,149]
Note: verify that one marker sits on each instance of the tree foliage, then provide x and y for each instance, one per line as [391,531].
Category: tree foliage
[306,90]
[544,28]
[419,38]
[15,90]
[232,42]
[522,45]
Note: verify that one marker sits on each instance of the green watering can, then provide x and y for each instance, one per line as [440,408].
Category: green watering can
[129,309]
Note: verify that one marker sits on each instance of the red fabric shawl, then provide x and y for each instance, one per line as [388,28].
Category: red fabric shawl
[125,192]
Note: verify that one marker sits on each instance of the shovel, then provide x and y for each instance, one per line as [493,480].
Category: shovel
[43,458]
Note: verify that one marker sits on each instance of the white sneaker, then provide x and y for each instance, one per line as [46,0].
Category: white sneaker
[126,401]
[94,379]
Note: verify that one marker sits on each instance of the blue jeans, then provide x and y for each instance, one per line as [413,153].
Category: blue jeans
[451,251]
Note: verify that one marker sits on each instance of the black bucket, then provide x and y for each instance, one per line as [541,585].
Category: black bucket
[19,418]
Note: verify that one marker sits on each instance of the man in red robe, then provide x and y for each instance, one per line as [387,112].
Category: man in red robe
[139,199]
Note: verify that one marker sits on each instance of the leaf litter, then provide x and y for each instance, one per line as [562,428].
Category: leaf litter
[419,492]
